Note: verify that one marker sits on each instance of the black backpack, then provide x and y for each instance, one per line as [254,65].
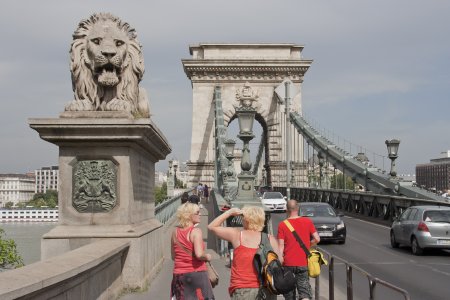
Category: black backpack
[272,275]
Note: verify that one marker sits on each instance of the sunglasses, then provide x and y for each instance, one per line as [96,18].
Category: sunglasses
[197,212]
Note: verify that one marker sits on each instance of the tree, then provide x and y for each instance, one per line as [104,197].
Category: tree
[9,257]
[160,193]
[49,198]
[9,204]
[52,203]
[21,204]
[337,182]
[38,196]
[179,184]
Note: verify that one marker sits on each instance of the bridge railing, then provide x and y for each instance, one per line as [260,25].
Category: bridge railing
[349,268]
[93,271]
[380,207]
[166,209]
[218,202]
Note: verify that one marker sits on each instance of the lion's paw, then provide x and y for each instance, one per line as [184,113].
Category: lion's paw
[79,105]
[118,105]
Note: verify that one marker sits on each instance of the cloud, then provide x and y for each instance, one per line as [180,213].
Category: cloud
[380,68]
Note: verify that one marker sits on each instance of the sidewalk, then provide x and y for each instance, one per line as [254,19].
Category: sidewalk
[159,289]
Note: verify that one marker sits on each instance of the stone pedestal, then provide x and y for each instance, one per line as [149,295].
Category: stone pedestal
[106,169]
[246,193]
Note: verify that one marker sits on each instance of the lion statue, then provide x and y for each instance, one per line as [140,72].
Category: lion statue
[107,66]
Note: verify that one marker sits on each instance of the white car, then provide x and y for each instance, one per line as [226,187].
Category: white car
[273,201]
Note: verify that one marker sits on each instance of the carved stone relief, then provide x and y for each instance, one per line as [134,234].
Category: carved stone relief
[94,186]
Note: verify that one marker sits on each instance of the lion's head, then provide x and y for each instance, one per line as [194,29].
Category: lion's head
[107,66]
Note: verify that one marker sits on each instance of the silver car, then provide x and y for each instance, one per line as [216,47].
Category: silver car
[422,227]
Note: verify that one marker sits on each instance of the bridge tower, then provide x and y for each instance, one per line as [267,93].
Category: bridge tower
[240,68]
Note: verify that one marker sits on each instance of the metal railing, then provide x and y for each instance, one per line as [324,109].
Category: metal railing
[349,267]
[217,203]
[166,210]
[377,206]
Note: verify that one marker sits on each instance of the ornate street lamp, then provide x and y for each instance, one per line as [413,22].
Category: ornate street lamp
[170,167]
[175,167]
[392,147]
[321,163]
[229,154]
[170,183]
[246,115]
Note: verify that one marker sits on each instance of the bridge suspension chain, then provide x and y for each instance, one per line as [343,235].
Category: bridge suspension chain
[372,178]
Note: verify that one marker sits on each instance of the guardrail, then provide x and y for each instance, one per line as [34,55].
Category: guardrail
[165,210]
[349,267]
[381,207]
[93,271]
[218,202]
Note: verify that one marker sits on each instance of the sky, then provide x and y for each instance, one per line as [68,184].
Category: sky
[381,69]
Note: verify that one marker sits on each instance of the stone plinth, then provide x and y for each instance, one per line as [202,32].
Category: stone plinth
[133,146]
[246,193]
[106,176]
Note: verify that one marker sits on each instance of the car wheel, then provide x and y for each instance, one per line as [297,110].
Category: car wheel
[415,248]
[394,244]
[341,242]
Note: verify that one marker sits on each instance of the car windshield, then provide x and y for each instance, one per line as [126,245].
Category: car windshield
[317,211]
[272,195]
[437,216]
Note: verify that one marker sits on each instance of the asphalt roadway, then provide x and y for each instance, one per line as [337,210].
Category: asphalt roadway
[368,247]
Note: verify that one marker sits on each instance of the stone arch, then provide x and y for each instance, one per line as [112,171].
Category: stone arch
[231,66]
[262,121]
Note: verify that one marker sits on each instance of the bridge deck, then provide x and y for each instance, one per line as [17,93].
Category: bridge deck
[160,286]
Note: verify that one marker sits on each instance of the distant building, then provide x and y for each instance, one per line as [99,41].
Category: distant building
[16,188]
[182,173]
[436,174]
[46,179]
[160,178]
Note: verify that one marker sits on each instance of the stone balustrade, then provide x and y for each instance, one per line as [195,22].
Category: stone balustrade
[93,271]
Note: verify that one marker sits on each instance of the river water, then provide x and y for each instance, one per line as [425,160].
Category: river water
[27,236]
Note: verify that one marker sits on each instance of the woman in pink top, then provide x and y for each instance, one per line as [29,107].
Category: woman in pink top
[190,278]
[244,282]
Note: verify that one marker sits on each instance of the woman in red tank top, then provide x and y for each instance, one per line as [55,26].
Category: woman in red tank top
[244,282]
[190,278]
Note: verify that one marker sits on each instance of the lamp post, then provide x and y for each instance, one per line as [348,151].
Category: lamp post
[229,154]
[292,174]
[246,115]
[175,167]
[170,183]
[321,163]
[287,85]
[392,147]
[285,92]
[264,182]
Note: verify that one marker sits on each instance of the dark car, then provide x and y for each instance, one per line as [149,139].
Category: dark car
[422,227]
[329,225]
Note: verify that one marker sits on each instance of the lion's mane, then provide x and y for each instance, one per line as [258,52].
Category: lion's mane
[87,90]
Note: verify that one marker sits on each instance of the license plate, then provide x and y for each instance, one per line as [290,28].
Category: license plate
[443,242]
[325,233]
